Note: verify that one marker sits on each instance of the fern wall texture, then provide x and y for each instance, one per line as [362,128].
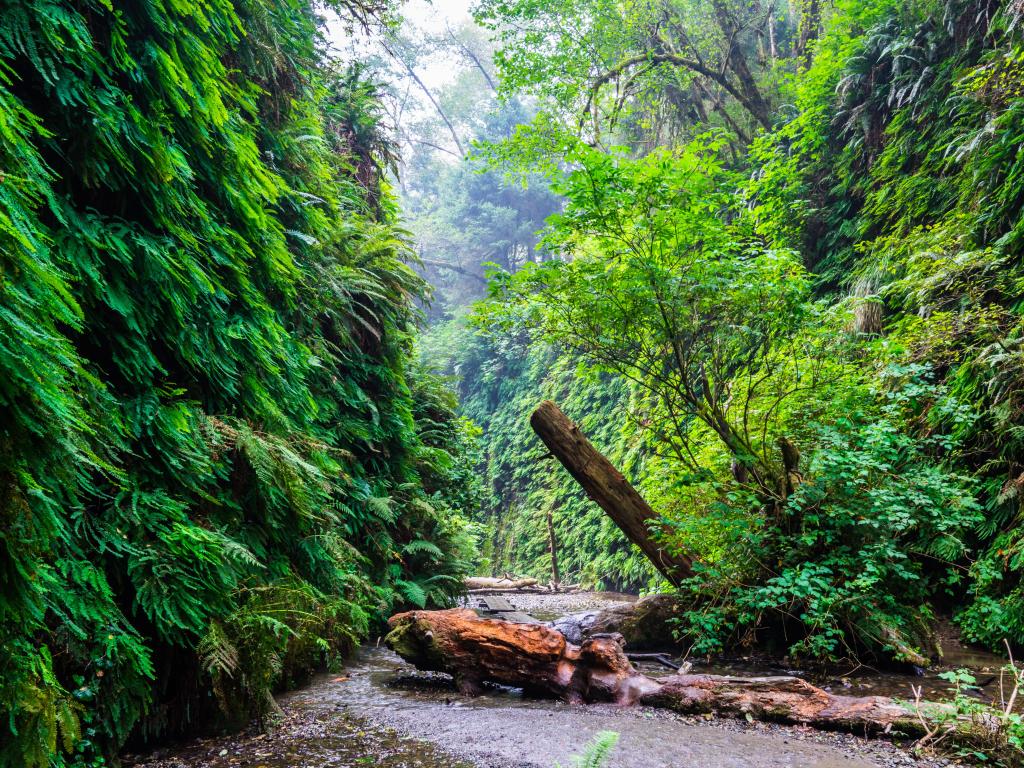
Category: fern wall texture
[900,180]
[502,379]
[212,472]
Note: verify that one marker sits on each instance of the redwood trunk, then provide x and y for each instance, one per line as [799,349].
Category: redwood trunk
[606,486]
[475,650]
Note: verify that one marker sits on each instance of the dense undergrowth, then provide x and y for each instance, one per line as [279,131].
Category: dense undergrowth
[217,465]
[784,295]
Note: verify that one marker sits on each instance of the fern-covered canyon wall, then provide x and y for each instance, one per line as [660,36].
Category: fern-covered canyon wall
[471,218]
[501,383]
[218,466]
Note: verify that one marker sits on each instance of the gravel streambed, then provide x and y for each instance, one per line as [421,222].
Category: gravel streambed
[382,712]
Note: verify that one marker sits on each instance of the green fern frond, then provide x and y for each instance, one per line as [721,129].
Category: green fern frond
[412,592]
[597,753]
[422,546]
[216,651]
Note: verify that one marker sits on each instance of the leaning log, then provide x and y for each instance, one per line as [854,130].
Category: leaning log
[606,486]
[475,650]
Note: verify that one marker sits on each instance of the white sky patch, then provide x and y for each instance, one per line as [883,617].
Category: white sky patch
[430,17]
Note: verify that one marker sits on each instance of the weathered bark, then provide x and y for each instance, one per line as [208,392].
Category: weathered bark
[476,650]
[606,486]
[783,699]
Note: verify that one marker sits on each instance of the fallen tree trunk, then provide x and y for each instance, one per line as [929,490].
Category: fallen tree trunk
[784,699]
[487,582]
[606,486]
[475,650]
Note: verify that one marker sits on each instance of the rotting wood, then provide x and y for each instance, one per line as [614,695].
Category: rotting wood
[607,487]
[488,582]
[784,699]
[475,650]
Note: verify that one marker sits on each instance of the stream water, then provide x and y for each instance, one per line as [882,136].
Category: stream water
[381,712]
[505,729]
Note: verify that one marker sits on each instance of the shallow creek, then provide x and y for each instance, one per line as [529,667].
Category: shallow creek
[382,712]
[504,729]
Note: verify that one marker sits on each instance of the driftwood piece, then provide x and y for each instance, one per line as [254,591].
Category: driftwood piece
[476,650]
[488,582]
[606,486]
[660,658]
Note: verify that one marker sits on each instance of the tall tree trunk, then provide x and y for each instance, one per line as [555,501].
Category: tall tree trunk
[752,97]
[606,486]
[471,54]
[810,28]
[553,546]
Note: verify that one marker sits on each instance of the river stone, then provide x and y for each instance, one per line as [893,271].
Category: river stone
[645,624]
